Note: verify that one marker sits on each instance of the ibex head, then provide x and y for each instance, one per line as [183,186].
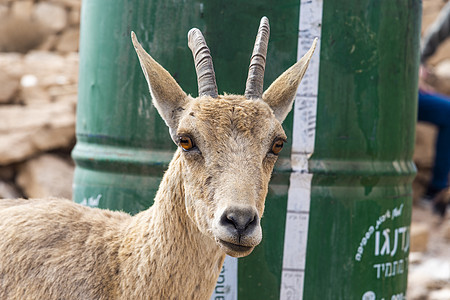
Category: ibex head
[228,144]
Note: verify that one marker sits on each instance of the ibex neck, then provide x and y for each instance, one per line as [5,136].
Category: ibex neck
[164,250]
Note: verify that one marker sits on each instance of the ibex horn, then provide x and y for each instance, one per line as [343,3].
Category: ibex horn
[255,79]
[203,64]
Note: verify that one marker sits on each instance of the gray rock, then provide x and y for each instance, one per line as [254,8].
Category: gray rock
[22,8]
[28,130]
[8,88]
[8,191]
[52,16]
[45,176]
[69,41]
[443,294]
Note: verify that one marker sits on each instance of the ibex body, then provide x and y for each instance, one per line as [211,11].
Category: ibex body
[209,203]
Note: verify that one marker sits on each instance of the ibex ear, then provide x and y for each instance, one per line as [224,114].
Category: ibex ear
[281,92]
[168,97]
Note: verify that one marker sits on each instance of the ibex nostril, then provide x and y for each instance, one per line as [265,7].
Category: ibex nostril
[253,221]
[241,220]
[227,220]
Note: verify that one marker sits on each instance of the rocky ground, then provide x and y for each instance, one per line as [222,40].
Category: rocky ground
[429,269]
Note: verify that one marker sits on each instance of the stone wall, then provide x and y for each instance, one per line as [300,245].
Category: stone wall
[48,25]
[38,95]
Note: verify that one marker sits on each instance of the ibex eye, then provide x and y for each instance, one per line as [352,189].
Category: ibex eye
[277,146]
[186,143]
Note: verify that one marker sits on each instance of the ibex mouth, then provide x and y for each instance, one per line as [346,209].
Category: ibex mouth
[239,249]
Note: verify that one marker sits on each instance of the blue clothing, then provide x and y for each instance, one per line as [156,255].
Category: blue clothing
[435,108]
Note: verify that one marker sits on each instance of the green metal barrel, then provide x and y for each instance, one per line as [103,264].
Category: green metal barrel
[337,215]
[361,196]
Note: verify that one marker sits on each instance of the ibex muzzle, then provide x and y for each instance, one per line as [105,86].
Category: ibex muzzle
[241,228]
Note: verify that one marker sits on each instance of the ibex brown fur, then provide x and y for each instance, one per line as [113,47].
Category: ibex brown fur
[209,203]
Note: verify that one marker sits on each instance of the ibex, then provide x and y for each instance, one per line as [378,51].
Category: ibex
[209,203]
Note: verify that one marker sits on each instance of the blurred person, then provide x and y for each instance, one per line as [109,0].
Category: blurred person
[435,108]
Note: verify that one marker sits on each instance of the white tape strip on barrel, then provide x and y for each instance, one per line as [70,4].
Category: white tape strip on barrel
[304,130]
